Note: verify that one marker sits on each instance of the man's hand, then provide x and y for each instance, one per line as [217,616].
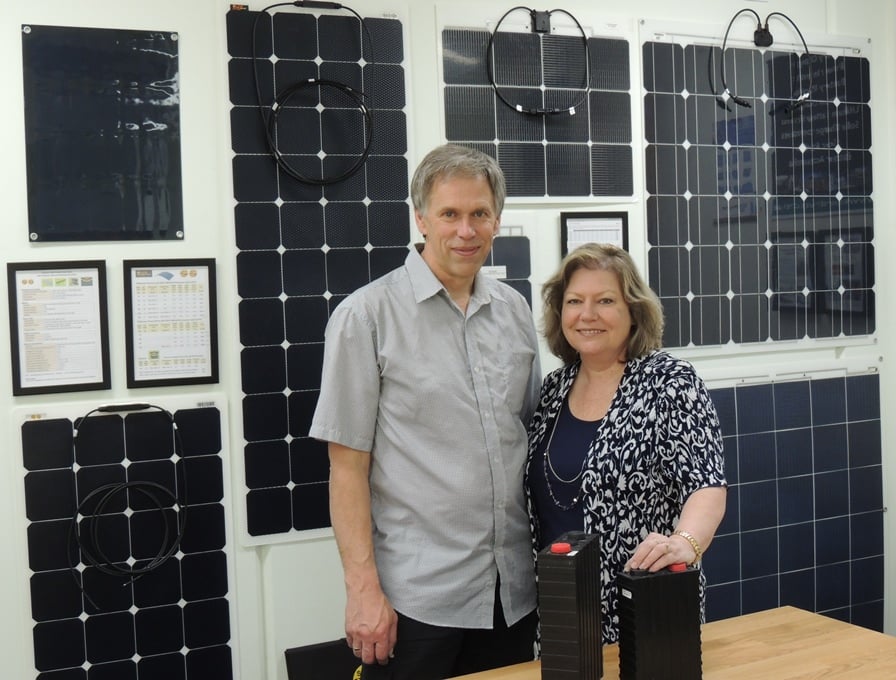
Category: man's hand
[371,626]
[370,621]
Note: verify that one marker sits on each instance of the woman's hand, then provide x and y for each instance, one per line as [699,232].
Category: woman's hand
[658,551]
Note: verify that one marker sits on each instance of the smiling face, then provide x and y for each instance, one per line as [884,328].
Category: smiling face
[458,223]
[595,317]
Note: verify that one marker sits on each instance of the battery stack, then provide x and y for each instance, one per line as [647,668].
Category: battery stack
[659,624]
[569,608]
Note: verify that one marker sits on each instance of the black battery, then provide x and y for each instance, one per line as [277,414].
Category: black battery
[569,608]
[659,624]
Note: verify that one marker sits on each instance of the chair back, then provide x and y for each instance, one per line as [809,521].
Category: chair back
[331,660]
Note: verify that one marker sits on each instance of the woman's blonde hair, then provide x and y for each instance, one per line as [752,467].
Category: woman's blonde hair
[644,306]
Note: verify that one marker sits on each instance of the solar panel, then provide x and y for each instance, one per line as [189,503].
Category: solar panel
[804,520]
[106,495]
[759,220]
[587,154]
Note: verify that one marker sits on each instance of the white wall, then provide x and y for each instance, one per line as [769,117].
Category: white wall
[290,593]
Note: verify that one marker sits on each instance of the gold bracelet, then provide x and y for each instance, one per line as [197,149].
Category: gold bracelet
[693,541]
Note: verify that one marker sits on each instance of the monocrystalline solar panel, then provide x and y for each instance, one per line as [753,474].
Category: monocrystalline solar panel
[587,153]
[122,584]
[302,246]
[783,192]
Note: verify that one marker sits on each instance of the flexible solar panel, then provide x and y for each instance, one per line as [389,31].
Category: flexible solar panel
[304,247]
[102,134]
[759,218]
[105,494]
[586,154]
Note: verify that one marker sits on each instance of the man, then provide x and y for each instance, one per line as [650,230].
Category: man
[430,376]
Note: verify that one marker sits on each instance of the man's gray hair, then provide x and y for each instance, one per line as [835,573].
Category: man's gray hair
[453,160]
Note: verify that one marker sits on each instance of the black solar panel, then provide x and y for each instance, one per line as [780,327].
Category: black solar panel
[303,247]
[105,495]
[759,219]
[553,155]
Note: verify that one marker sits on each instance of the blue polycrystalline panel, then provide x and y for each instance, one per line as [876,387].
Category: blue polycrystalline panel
[782,193]
[585,154]
[804,518]
[91,620]
[303,247]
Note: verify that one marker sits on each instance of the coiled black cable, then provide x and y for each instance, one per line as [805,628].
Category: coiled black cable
[537,111]
[271,119]
[89,543]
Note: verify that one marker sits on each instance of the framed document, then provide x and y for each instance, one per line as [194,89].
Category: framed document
[171,321]
[578,228]
[58,325]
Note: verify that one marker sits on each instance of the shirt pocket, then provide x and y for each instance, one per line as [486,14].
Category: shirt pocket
[513,382]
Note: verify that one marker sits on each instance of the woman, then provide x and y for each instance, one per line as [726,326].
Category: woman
[625,442]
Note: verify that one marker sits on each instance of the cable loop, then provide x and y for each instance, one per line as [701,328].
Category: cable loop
[538,111]
[269,121]
[88,542]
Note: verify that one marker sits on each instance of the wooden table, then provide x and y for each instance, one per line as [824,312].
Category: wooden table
[778,644]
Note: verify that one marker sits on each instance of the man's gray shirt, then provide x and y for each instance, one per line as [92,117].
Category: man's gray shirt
[441,401]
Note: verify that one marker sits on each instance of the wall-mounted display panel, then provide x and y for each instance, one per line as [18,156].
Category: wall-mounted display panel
[304,246]
[128,563]
[760,221]
[102,134]
[552,105]
[804,524]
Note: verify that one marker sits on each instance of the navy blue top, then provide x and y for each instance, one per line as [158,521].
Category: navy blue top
[571,441]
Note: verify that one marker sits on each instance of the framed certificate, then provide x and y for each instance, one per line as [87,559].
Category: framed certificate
[578,228]
[171,321]
[58,325]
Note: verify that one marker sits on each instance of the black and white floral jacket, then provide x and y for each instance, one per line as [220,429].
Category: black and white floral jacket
[659,442]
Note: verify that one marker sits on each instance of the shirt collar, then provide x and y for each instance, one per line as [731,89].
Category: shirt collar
[425,284]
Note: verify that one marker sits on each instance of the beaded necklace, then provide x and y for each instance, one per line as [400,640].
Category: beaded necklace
[548,466]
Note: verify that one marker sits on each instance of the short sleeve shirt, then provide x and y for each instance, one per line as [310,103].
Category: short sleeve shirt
[441,401]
